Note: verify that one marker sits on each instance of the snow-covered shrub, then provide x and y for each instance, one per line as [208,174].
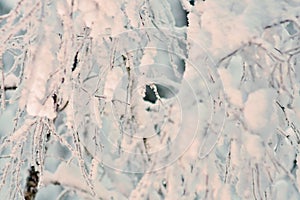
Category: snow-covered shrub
[154,99]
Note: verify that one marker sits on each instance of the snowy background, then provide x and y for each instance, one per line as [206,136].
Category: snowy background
[152,99]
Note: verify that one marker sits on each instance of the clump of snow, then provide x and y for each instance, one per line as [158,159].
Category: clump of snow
[259,108]
[234,94]
[254,146]
[69,175]
[11,80]
[37,102]
[113,78]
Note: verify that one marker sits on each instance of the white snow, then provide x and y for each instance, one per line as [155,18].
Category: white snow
[259,108]
[114,78]
[254,147]
[234,94]
[226,122]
